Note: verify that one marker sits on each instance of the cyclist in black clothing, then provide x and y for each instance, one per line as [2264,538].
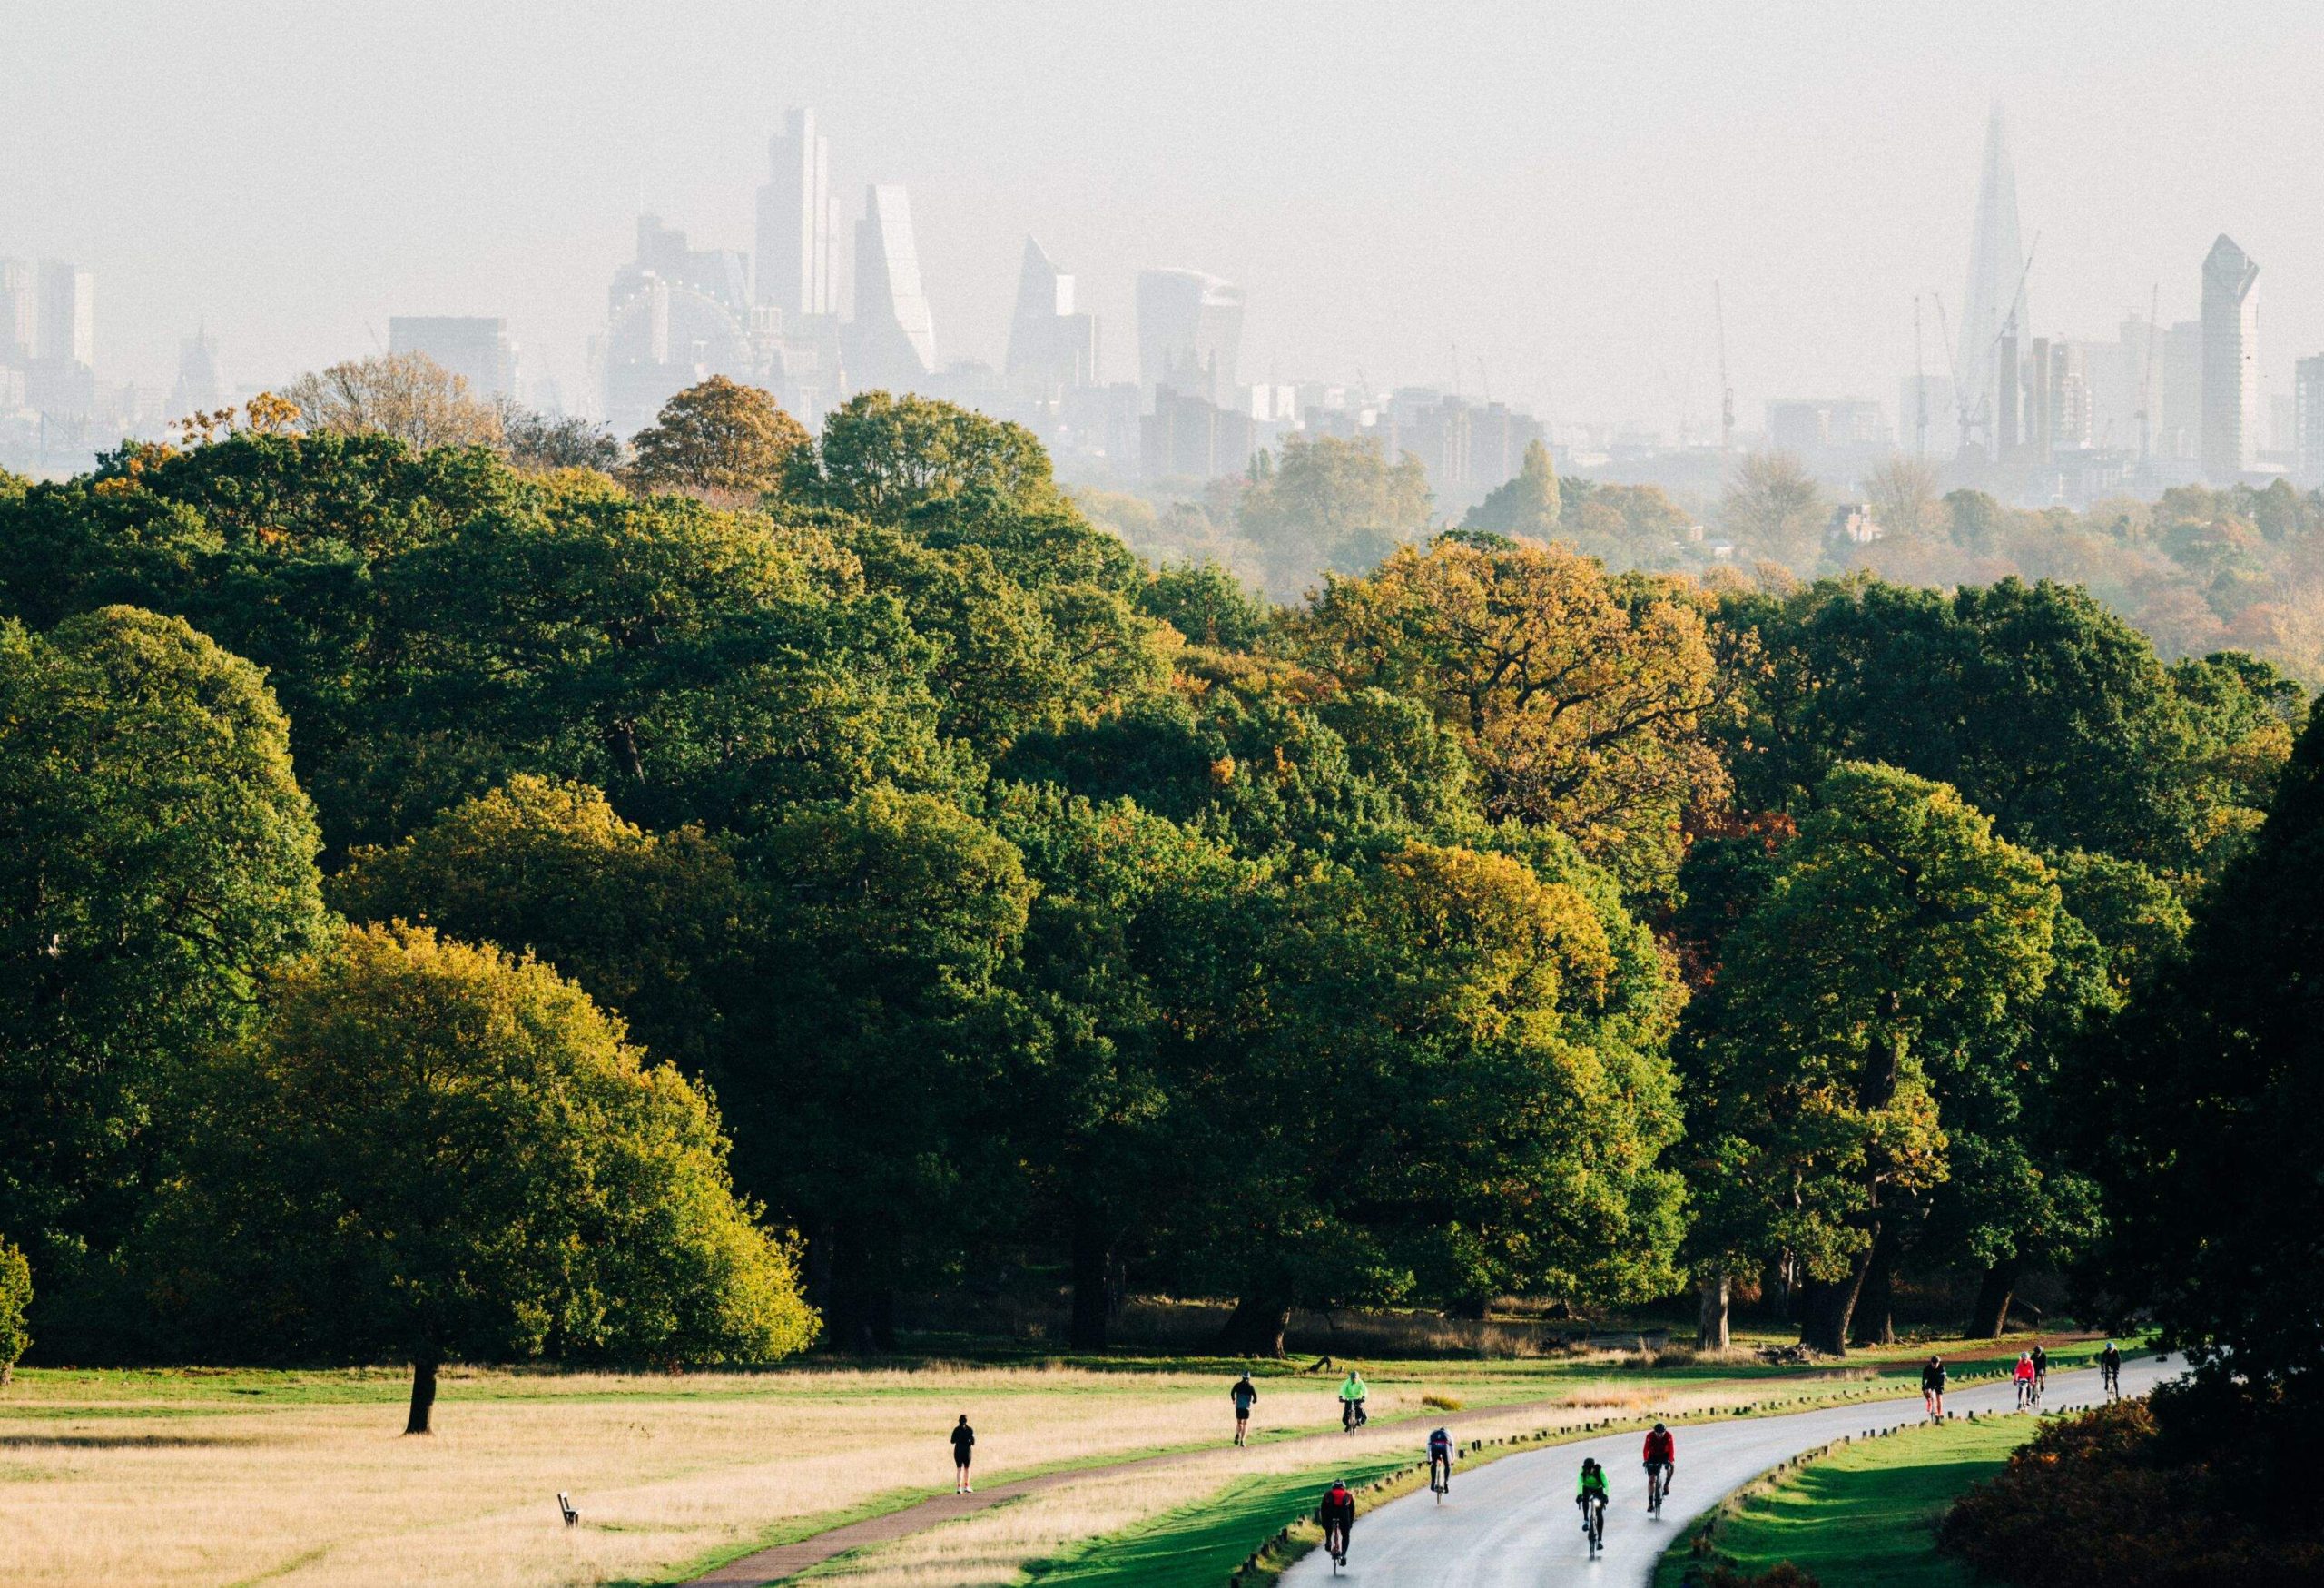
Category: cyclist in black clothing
[2109,1371]
[1440,1459]
[2040,1371]
[1933,1386]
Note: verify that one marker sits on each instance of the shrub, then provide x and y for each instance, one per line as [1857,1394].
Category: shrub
[15,1300]
[1441,1403]
[2056,1517]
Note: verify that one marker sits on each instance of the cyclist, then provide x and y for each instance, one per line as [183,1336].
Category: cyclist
[2040,1371]
[1337,1514]
[1662,1457]
[2025,1377]
[2109,1371]
[1589,1494]
[1439,1461]
[1244,1393]
[1932,1385]
[1352,1394]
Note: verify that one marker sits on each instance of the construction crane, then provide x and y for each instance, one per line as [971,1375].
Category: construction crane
[1725,387]
[1920,388]
[2146,385]
[1961,419]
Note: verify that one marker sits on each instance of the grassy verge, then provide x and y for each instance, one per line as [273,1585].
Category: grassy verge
[1863,1515]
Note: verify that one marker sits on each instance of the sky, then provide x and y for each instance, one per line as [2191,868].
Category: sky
[1549,189]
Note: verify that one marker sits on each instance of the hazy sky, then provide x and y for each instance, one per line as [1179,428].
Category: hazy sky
[1551,187]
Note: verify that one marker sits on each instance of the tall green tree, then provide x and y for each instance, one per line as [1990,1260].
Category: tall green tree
[1900,948]
[883,456]
[720,440]
[1333,504]
[435,1152]
[1526,504]
[156,857]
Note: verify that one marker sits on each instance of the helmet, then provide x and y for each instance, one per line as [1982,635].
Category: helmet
[1660,1429]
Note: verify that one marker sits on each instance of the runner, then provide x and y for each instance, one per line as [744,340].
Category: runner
[1933,1386]
[1244,1393]
[964,1440]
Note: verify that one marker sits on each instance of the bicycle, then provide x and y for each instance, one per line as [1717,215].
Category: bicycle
[1335,1547]
[1657,1484]
[2026,1395]
[2110,1379]
[1440,1479]
[1593,1524]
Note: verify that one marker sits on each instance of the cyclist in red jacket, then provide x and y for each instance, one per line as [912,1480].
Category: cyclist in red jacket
[1661,1465]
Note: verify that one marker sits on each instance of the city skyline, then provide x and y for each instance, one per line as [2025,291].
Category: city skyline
[1582,243]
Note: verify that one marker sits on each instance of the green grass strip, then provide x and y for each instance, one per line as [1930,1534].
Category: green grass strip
[1865,1516]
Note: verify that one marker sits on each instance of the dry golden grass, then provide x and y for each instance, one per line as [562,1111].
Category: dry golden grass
[114,1481]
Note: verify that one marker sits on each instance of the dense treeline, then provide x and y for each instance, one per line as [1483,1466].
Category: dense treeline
[1486,926]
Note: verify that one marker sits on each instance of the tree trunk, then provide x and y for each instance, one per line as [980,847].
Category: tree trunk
[423,1394]
[1092,1272]
[1257,1326]
[1875,1320]
[1710,1317]
[1989,1318]
[1469,1308]
[1826,1307]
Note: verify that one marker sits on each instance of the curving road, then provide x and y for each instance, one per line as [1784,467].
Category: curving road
[1512,1521]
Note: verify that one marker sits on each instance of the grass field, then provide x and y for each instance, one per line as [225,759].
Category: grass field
[1865,1516]
[174,1479]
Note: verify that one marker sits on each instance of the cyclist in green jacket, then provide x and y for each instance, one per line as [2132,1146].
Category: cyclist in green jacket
[1352,1394]
[1589,1492]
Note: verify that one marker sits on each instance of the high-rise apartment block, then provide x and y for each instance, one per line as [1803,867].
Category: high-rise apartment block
[1189,333]
[2231,411]
[477,349]
[797,272]
[893,341]
[2307,420]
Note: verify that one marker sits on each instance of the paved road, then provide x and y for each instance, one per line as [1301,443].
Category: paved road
[1513,1521]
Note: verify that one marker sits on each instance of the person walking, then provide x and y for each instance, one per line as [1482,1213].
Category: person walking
[1932,1385]
[1353,1391]
[964,1442]
[1244,1393]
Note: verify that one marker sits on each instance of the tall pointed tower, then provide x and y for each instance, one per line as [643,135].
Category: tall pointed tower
[1993,307]
[2230,432]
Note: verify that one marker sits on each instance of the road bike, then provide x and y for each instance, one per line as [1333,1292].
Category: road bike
[1440,1479]
[1657,1485]
[2112,1378]
[1335,1547]
[1594,1522]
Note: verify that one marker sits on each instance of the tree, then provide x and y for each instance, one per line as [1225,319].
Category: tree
[1775,509]
[1583,700]
[869,1089]
[2202,1125]
[1207,604]
[1526,505]
[1332,503]
[1900,947]
[883,456]
[536,442]
[438,1152]
[16,1303]
[1902,494]
[408,396]
[720,440]
[650,924]
[1457,1089]
[156,857]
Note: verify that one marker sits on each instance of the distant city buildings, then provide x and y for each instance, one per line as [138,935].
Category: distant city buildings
[797,222]
[1189,333]
[676,315]
[200,387]
[1995,310]
[477,349]
[892,339]
[2230,362]
[2307,420]
[1052,349]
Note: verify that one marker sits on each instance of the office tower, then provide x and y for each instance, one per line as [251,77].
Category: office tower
[676,315]
[893,341]
[1188,437]
[797,222]
[477,349]
[199,388]
[2007,382]
[2307,420]
[17,316]
[2231,366]
[2067,423]
[66,326]
[1052,349]
[1995,303]
[1189,332]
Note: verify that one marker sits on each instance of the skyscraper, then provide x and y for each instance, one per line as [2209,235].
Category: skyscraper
[1995,303]
[2230,362]
[1190,332]
[199,388]
[893,343]
[2308,419]
[18,320]
[477,349]
[795,268]
[66,325]
[675,317]
[1052,349]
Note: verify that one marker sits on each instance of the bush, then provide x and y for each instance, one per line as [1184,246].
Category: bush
[15,1300]
[2056,1516]
[1782,1574]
